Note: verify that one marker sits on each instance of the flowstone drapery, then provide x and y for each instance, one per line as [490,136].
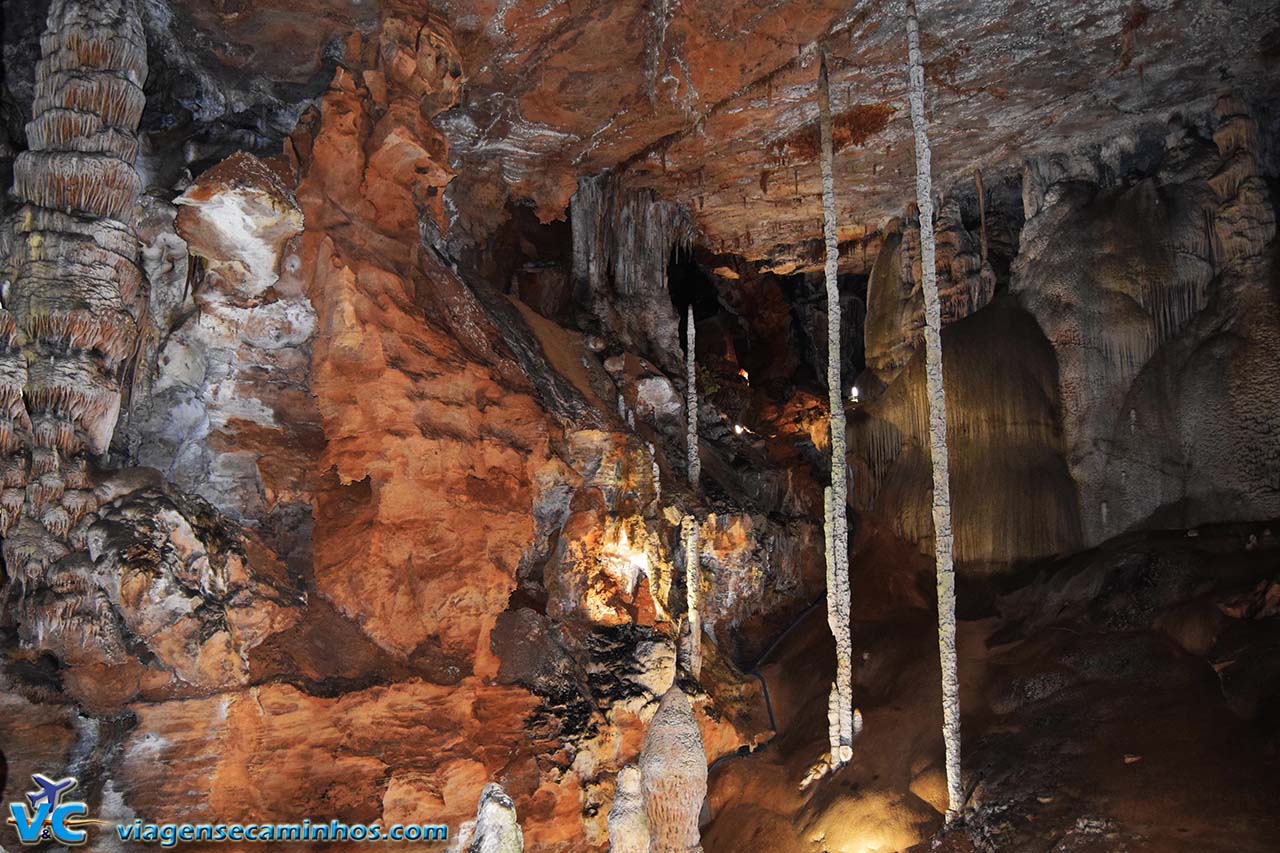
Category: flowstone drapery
[942,542]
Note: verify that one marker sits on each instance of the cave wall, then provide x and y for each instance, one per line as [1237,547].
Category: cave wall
[1158,296]
[1118,377]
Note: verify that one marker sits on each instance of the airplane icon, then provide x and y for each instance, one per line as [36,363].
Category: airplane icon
[50,791]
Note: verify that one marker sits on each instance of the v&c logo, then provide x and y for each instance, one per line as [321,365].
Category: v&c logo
[48,817]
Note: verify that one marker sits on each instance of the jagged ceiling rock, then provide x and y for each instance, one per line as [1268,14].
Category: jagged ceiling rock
[710,104]
[713,103]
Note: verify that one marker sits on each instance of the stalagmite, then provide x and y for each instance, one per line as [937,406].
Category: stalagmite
[937,428]
[692,564]
[628,824]
[673,768]
[841,703]
[691,400]
[496,829]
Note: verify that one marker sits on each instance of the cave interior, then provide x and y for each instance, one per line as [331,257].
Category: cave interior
[359,463]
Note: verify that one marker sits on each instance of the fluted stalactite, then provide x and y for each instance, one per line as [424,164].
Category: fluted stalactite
[15,425]
[840,707]
[942,533]
[76,278]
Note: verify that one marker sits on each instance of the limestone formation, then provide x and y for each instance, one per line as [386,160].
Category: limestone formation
[76,281]
[70,315]
[942,534]
[693,592]
[628,823]
[1133,283]
[691,399]
[840,711]
[497,830]
[623,238]
[673,770]
[351,457]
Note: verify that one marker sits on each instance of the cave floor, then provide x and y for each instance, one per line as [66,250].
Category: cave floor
[1124,699]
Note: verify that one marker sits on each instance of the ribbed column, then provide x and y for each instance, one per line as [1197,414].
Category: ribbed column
[76,272]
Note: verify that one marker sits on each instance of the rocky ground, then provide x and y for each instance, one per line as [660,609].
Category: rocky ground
[1124,699]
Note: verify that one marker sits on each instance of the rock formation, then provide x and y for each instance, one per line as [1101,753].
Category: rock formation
[71,307]
[1179,261]
[110,570]
[496,829]
[673,769]
[345,421]
[840,706]
[938,450]
[628,822]
[693,591]
[623,240]
[691,397]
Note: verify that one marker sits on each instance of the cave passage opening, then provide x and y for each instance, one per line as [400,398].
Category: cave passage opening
[689,285]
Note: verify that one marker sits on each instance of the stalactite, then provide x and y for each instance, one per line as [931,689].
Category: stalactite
[15,425]
[937,427]
[623,239]
[625,236]
[692,579]
[982,213]
[657,46]
[673,768]
[70,315]
[691,401]
[497,830]
[838,603]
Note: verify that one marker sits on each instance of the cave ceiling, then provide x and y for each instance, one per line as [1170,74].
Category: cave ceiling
[712,103]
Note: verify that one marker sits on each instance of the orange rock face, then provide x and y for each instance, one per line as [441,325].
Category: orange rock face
[432,453]
[442,547]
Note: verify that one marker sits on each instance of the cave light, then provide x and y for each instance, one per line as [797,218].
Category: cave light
[628,562]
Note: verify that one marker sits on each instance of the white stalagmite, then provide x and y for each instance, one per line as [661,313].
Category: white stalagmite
[841,702]
[496,828]
[628,823]
[937,427]
[691,400]
[673,774]
[692,564]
